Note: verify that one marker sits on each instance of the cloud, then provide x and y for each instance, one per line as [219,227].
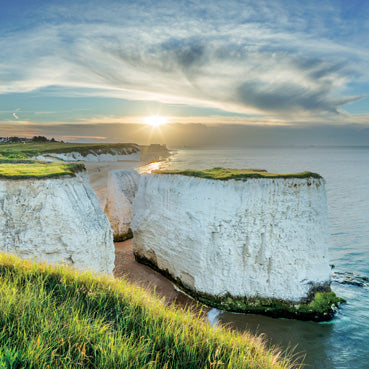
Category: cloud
[255,58]
[15,115]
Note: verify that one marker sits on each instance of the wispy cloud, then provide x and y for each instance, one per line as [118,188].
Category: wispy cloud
[255,57]
[15,115]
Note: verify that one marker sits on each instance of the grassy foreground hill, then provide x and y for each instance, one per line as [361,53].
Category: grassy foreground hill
[53,317]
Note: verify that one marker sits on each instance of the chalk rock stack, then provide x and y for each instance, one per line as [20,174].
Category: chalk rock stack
[235,239]
[122,187]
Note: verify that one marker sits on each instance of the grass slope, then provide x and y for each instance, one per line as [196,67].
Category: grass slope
[33,169]
[16,158]
[238,174]
[16,162]
[56,318]
[24,150]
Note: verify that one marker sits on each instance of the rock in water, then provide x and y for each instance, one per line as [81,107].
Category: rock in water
[57,221]
[241,245]
[122,187]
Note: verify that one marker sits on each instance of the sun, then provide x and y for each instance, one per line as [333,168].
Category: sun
[155,120]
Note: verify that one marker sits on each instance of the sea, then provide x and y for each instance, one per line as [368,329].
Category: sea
[344,341]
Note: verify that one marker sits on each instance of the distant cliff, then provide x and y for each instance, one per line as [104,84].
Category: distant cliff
[55,220]
[154,152]
[94,154]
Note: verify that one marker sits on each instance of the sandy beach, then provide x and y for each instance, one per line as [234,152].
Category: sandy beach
[141,275]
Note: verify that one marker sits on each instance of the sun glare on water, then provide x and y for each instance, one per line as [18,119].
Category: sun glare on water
[155,120]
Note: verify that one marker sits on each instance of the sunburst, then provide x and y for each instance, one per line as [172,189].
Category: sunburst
[155,120]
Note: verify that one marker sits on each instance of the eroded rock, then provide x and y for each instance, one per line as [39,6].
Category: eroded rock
[56,221]
[247,240]
[121,190]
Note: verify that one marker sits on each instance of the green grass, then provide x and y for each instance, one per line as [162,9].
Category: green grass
[238,174]
[33,148]
[56,318]
[33,169]
[16,158]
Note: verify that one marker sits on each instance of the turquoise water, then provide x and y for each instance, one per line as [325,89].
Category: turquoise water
[343,342]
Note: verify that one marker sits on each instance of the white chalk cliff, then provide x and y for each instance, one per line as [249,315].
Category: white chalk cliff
[121,189]
[93,156]
[257,237]
[56,221]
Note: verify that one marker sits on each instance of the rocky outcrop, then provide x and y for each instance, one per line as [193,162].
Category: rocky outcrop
[122,187]
[153,153]
[56,221]
[235,241]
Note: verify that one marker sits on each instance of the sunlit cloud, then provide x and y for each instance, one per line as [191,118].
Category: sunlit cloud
[15,115]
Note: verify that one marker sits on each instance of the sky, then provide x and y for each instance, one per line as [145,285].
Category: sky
[221,72]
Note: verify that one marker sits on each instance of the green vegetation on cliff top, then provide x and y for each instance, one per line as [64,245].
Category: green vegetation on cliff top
[238,174]
[53,317]
[16,158]
[38,170]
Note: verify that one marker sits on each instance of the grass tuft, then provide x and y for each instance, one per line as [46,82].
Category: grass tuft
[224,174]
[55,317]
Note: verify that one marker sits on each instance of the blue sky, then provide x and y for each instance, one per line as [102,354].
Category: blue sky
[289,63]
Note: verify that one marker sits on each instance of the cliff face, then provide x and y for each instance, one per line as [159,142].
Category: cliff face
[93,156]
[57,221]
[255,238]
[122,187]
